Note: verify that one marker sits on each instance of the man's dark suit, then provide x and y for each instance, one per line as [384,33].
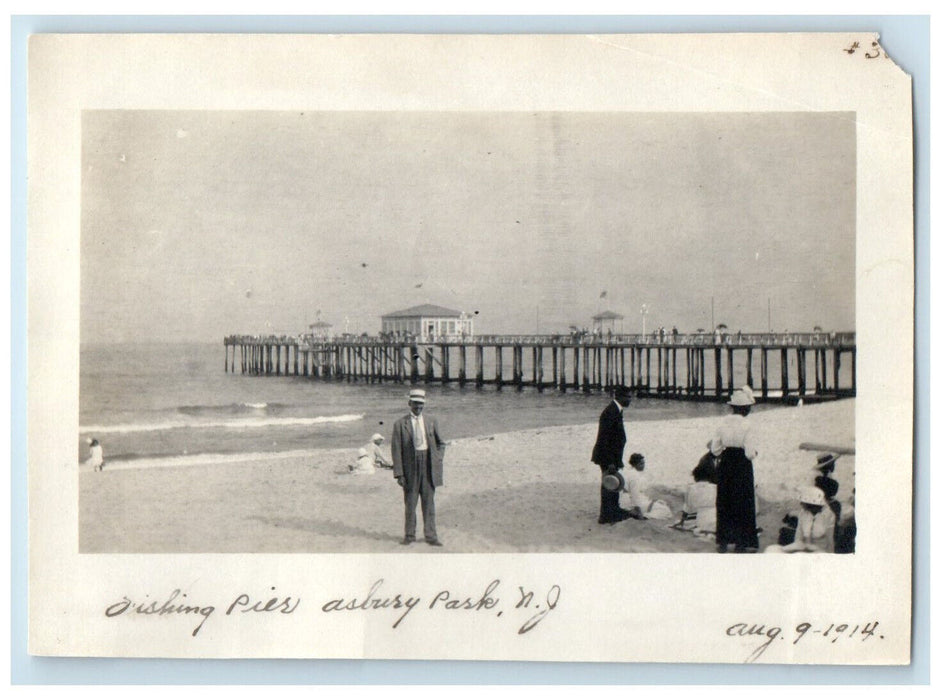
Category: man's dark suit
[608,454]
[421,474]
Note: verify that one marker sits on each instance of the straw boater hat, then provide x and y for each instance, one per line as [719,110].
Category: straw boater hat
[825,460]
[613,481]
[742,397]
[812,496]
[417,395]
[376,436]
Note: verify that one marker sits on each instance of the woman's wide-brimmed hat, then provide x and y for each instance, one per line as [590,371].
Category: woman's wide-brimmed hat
[613,481]
[825,461]
[742,397]
[812,496]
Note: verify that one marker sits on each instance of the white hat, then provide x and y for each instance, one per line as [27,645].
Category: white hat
[742,397]
[417,395]
[376,436]
[812,496]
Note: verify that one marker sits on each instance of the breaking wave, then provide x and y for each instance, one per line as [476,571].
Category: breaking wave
[230,424]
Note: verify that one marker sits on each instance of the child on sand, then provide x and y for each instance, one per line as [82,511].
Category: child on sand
[814,531]
[96,459]
[370,456]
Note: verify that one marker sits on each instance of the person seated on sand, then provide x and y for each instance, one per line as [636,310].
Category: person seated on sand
[96,458]
[788,528]
[642,506]
[826,463]
[844,538]
[370,457]
[699,508]
[814,531]
[830,486]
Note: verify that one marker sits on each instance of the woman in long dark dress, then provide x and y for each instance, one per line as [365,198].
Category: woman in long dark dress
[735,486]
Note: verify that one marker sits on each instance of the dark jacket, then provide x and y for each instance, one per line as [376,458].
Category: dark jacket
[403,450]
[609,446]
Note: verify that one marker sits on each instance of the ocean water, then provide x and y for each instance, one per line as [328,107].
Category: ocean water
[174,404]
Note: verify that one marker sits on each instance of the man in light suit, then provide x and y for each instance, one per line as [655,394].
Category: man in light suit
[418,466]
[608,453]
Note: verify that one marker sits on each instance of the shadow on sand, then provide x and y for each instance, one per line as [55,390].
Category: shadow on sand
[326,528]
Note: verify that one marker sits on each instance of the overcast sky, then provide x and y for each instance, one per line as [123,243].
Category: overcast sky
[196,225]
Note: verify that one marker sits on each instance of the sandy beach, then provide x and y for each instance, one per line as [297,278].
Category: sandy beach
[526,491]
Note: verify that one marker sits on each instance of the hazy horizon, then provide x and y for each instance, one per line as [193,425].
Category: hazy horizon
[197,225]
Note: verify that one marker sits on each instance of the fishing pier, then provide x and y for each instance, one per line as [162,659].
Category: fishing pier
[779,367]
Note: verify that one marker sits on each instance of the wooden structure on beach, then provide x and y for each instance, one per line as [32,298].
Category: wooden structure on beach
[780,367]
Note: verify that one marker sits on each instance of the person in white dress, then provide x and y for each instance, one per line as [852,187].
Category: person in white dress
[736,510]
[699,507]
[815,523]
[642,506]
[96,458]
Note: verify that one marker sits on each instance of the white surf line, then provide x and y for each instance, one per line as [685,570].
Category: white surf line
[229,424]
[209,458]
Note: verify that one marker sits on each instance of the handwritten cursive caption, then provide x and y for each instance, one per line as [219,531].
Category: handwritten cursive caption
[524,604]
[830,633]
[527,607]
[176,604]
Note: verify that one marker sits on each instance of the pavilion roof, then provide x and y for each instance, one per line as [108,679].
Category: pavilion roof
[607,316]
[424,310]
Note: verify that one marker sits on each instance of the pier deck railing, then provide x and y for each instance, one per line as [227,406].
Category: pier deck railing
[700,366]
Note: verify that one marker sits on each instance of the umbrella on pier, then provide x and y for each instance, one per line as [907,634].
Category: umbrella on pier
[609,318]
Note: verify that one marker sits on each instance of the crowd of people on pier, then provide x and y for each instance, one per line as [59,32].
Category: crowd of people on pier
[720,336]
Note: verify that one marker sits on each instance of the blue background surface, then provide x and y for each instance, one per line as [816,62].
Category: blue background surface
[906,39]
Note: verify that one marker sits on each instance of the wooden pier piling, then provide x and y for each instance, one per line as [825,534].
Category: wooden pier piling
[676,369]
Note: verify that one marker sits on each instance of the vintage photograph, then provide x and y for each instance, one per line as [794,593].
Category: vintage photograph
[477,347]
[469,332]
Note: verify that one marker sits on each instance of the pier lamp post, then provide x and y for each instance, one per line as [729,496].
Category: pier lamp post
[644,310]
